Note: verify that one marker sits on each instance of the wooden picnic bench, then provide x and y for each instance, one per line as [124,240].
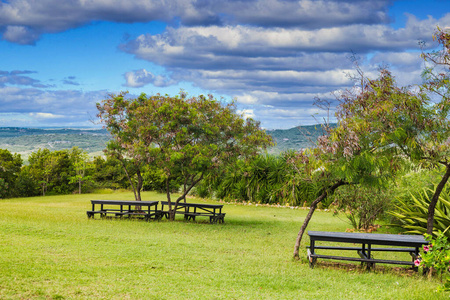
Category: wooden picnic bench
[407,243]
[193,210]
[145,209]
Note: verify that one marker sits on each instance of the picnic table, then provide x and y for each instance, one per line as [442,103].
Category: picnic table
[145,209]
[407,243]
[192,210]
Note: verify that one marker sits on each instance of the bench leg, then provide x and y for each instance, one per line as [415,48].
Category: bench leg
[311,260]
[159,215]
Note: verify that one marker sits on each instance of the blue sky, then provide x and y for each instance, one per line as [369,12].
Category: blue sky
[60,57]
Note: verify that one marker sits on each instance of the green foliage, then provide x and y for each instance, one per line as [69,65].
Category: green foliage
[108,173]
[412,214]
[26,185]
[184,138]
[362,205]
[3,188]
[81,166]
[52,170]
[268,179]
[436,257]
[10,165]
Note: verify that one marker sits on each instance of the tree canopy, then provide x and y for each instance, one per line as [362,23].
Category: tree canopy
[185,138]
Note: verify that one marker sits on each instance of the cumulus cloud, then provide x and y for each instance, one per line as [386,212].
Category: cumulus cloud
[143,77]
[187,46]
[20,35]
[283,67]
[23,21]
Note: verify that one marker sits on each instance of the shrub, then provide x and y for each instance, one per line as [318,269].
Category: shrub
[436,257]
[412,214]
[362,205]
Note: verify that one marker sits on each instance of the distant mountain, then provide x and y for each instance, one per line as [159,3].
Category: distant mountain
[27,140]
[295,138]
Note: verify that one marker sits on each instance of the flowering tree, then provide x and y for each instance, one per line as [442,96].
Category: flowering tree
[182,137]
[343,156]
[415,124]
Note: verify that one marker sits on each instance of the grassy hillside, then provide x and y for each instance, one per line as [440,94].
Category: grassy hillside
[50,250]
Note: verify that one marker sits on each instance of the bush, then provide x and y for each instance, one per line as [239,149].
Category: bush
[362,205]
[436,257]
[412,214]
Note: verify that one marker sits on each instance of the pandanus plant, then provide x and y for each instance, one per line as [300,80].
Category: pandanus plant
[412,215]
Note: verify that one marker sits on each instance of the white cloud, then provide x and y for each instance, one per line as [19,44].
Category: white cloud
[143,77]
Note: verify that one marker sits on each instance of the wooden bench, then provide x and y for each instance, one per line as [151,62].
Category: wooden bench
[125,208]
[192,210]
[408,243]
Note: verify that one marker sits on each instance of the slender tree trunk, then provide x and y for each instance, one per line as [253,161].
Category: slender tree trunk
[129,179]
[434,200]
[139,185]
[79,186]
[313,207]
[171,211]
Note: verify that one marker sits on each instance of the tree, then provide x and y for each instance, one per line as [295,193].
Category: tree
[185,138]
[347,154]
[52,170]
[10,165]
[436,148]
[80,163]
[413,122]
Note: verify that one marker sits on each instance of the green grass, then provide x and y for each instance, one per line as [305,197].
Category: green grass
[50,250]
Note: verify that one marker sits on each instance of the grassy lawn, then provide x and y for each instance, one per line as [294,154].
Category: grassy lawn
[50,250]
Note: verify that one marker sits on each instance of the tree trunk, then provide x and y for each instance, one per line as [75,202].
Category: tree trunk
[139,185]
[171,211]
[136,196]
[313,207]
[185,192]
[434,200]
[79,186]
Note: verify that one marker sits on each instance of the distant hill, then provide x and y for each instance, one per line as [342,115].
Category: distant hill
[295,138]
[27,140]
